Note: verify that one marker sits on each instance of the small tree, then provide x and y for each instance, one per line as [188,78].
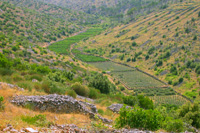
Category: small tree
[134,44]
[195,37]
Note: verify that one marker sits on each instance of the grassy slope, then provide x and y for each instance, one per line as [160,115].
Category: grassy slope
[12,114]
[30,25]
[153,28]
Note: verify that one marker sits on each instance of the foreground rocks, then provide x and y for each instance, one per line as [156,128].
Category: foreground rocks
[116,107]
[7,85]
[70,128]
[58,104]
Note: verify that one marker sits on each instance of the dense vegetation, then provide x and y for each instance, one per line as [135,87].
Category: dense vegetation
[154,119]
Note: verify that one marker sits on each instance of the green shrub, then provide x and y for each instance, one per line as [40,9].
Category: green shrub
[172,125]
[17,77]
[37,120]
[195,37]
[134,44]
[100,111]
[4,62]
[5,71]
[130,100]
[25,85]
[36,76]
[80,89]
[51,87]
[180,80]
[37,86]
[1,103]
[71,93]
[68,75]
[57,77]
[46,86]
[140,100]
[102,83]
[191,113]
[93,93]
[56,88]
[122,88]
[139,118]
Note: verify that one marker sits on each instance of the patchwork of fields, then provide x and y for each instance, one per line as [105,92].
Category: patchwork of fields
[135,79]
[142,83]
[131,77]
[172,99]
[63,47]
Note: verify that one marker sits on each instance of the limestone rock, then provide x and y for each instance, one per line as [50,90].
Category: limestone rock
[58,104]
[116,107]
[34,80]
[31,130]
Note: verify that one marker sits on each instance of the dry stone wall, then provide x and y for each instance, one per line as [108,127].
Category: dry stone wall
[58,104]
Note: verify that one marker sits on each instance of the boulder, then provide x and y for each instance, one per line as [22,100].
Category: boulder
[34,80]
[31,130]
[116,107]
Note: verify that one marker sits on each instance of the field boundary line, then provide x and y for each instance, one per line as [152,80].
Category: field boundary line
[142,72]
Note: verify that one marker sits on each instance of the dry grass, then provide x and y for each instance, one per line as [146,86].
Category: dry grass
[12,114]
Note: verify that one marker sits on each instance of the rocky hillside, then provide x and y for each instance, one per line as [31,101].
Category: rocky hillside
[116,10]
[164,43]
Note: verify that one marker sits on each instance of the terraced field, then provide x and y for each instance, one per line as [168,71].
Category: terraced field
[155,92]
[110,66]
[142,83]
[129,76]
[173,99]
[136,79]
[63,47]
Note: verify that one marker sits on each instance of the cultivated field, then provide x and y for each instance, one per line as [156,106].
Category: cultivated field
[155,91]
[128,75]
[63,47]
[173,99]
[135,79]
[87,57]
[110,66]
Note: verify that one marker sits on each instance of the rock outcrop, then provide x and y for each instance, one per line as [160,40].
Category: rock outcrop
[58,104]
[70,128]
[2,84]
[116,107]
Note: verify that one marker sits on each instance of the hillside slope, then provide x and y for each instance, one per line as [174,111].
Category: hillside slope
[30,26]
[115,10]
[165,44]
[55,11]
